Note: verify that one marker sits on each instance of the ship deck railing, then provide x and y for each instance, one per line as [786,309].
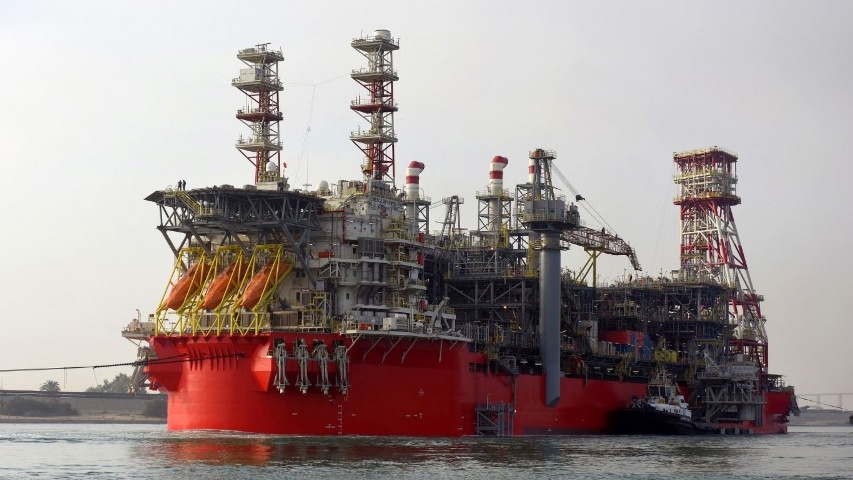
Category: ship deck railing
[413,330]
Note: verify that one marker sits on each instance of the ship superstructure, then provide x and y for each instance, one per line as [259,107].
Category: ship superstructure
[337,311]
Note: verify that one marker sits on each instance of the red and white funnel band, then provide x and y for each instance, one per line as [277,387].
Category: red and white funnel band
[531,171]
[413,179]
[413,173]
[496,170]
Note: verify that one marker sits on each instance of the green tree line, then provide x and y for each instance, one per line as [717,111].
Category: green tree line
[35,407]
[119,384]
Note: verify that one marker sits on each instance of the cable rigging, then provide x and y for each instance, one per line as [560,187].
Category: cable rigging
[138,363]
[304,147]
[821,403]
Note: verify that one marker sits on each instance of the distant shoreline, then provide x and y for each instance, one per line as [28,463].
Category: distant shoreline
[812,417]
[125,419]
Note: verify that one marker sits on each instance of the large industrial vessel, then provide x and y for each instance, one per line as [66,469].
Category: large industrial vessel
[336,311]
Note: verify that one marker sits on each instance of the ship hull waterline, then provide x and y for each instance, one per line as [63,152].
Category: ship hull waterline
[396,386]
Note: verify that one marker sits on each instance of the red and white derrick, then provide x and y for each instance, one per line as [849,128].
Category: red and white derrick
[710,245]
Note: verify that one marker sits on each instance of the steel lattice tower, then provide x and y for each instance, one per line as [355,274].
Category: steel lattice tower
[261,85]
[710,246]
[378,107]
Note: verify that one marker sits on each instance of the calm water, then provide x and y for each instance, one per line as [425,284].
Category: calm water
[149,451]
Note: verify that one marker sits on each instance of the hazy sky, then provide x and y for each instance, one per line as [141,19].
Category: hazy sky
[101,103]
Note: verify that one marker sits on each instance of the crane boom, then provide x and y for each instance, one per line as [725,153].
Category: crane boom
[591,239]
[595,240]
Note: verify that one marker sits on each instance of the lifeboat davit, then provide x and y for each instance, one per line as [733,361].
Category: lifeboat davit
[266,277]
[187,286]
[224,284]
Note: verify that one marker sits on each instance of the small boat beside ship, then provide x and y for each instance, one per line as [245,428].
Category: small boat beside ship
[663,411]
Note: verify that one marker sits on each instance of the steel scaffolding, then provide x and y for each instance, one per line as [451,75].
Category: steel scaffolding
[710,246]
[260,82]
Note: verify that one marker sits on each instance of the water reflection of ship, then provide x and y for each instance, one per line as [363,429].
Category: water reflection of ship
[376,457]
[221,451]
[302,451]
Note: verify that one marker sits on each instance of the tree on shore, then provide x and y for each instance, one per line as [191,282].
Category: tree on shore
[50,386]
[119,384]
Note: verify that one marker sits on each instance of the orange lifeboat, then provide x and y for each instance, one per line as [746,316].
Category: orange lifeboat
[187,286]
[266,277]
[224,284]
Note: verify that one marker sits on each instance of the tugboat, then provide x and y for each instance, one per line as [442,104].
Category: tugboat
[664,411]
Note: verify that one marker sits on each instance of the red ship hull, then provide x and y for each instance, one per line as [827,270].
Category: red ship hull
[425,387]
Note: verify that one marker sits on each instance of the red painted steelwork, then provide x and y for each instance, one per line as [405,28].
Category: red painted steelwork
[431,388]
